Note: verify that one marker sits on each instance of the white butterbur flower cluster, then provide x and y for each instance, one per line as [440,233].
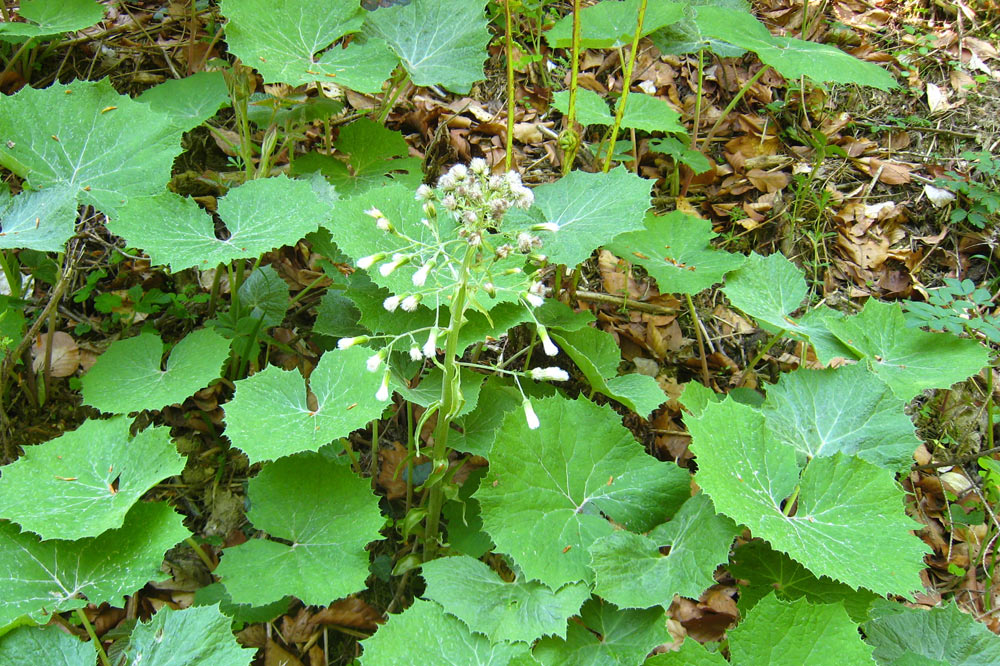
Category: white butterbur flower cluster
[476,201]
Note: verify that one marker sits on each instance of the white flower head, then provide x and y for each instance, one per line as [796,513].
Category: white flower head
[549,374]
[525,242]
[529,415]
[391,303]
[383,224]
[344,343]
[410,302]
[547,345]
[459,172]
[375,360]
[420,277]
[546,226]
[374,212]
[447,182]
[449,202]
[415,353]
[479,166]
[365,263]
[424,193]
[383,390]
[398,260]
[430,347]
[534,300]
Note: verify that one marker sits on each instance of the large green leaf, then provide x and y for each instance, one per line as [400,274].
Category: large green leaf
[677,251]
[271,415]
[282,40]
[52,17]
[84,136]
[451,643]
[47,577]
[847,508]
[41,221]
[847,410]
[691,653]
[328,515]
[588,210]
[547,488]
[650,114]
[519,611]
[127,377]
[609,24]
[769,289]
[187,637]
[606,636]
[189,101]
[631,572]
[597,355]
[265,295]
[792,58]
[376,156]
[480,426]
[906,359]
[49,646]
[259,215]
[798,632]
[440,42]
[591,109]
[762,570]
[85,481]
[943,635]
[685,36]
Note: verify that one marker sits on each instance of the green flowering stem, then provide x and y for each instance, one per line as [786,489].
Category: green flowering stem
[626,84]
[451,401]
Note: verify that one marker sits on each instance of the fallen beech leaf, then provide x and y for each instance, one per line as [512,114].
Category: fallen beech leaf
[938,196]
[937,99]
[65,354]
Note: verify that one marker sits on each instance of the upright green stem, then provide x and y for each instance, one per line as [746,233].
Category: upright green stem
[989,406]
[697,100]
[732,105]
[511,102]
[626,84]
[11,271]
[390,100]
[451,399]
[101,654]
[572,136]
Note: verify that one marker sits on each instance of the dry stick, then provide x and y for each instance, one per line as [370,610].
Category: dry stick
[511,102]
[597,297]
[626,84]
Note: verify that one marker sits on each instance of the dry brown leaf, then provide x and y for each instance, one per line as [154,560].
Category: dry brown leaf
[65,354]
[275,655]
[768,181]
